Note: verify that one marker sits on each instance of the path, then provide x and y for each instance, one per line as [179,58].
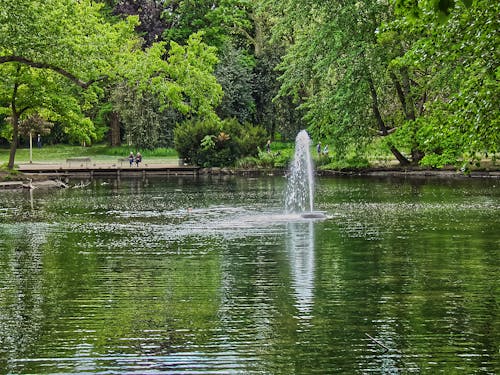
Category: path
[106,168]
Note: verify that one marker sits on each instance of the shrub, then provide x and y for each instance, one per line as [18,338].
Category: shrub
[353,162]
[248,162]
[217,143]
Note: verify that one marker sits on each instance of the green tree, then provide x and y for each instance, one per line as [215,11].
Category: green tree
[234,74]
[221,21]
[59,52]
[336,66]
[164,88]
[143,122]
[43,42]
[453,63]
[278,114]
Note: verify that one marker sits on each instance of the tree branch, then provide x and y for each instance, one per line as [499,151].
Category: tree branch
[23,110]
[387,132]
[40,65]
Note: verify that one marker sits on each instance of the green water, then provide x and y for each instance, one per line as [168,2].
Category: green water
[191,276]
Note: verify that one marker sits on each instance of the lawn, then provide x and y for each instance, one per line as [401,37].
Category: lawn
[98,153]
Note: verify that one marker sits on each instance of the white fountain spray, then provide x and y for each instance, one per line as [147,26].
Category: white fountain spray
[300,189]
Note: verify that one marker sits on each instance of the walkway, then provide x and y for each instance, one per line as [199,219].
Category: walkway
[90,168]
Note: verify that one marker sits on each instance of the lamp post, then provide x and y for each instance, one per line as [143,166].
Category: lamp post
[31,148]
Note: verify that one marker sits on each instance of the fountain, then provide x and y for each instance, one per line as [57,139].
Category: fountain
[300,188]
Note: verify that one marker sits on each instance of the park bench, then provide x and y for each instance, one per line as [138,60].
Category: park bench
[85,161]
[123,160]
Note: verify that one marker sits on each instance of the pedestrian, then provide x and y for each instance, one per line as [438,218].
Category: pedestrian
[325,150]
[131,158]
[138,158]
[39,141]
[268,146]
[318,148]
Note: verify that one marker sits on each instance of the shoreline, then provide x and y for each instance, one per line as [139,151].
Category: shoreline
[19,179]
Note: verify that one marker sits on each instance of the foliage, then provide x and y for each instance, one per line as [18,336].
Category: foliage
[349,163]
[35,124]
[151,23]
[217,143]
[337,69]
[416,8]
[425,81]
[46,46]
[181,79]
[454,63]
[234,74]
[421,74]
[275,113]
[221,21]
[49,52]
[277,159]
[145,126]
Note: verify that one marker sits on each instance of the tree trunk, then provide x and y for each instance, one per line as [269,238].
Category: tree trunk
[376,112]
[410,103]
[408,106]
[15,125]
[403,92]
[114,128]
[15,138]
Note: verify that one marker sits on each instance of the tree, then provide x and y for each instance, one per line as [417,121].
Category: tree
[336,67]
[165,88]
[275,113]
[234,74]
[33,91]
[59,52]
[150,13]
[452,62]
[44,43]
[221,21]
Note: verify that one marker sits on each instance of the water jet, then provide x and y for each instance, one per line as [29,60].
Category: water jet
[300,188]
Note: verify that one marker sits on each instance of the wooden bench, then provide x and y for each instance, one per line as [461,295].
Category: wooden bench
[78,160]
[123,160]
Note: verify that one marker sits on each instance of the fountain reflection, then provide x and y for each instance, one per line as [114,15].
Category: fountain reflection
[300,246]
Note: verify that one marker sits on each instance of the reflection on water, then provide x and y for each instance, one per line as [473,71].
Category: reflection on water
[300,245]
[201,276]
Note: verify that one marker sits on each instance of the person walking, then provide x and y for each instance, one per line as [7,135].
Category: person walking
[268,146]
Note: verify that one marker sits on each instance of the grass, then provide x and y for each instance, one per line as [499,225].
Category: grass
[98,153]
[282,152]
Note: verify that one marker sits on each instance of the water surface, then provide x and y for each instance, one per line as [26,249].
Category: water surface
[186,275]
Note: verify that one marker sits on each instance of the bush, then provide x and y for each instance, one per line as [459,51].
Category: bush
[217,143]
[354,162]
[274,159]
[248,162]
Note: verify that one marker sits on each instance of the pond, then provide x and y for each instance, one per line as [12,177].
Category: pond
[209,275]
